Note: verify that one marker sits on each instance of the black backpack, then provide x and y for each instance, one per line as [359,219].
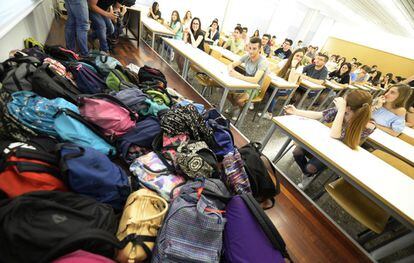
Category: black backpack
[61,54]
[43,225]
[16,73]
[262,175]
[147,73]
[48,84]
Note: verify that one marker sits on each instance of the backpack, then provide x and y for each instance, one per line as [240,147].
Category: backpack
[262,175]
[105,63]
[221,132]
[36,52]
[71,127]
[147,73]
[43,221]
[87,81]
[134,98]
[50,85]
[234,174]
[117,81]
[132,76]
[31,43]
[90,172]
[81,256]
[12,64]
[28,167]
[107,112]
[193,229]
[156,92]
[10,127]
[60,53]
[142,134]
[19,78]
[259,240]
[37,112]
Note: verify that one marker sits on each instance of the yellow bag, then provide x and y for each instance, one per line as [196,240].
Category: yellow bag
[143,215]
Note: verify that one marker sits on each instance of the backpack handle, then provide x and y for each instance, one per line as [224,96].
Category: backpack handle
[114,100]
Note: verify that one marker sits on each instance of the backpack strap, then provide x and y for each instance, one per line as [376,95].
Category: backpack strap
[267,226]
[114,100]
[34,167]
[35,154]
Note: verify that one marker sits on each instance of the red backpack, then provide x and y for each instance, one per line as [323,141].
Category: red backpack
[28,167]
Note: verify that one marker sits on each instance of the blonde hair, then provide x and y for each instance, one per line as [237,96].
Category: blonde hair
[360,103]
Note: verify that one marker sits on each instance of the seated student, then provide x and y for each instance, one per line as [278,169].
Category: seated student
[266,45]
[101,14]
[256,67]
[386,80]
[354,60]
[311,52]
[256,34]
[374,77]
[360,75]
[316,73]
[355,67]
[351,124]
[299,44]
[332,65]
[284,70]
[341,61]
[154,11]
[273,43]
[194,35]
[236,43]
[409,119]
[341,76]
[213,33]
[284,51]
[187,20]
[245,38]
[389,110]
[175,26]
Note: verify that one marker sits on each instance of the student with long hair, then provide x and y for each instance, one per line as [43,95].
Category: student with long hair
[389,110]
[342,75]
[154,11]
[409,119]
[351,124]
[187,20]
[284,69]
[176,27]
[386,80]
[213,33]
[375,77]
[256,34]
[194,35]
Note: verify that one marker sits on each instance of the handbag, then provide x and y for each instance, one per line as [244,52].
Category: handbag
[143,215]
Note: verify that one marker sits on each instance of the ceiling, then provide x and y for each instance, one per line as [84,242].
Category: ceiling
[393,16]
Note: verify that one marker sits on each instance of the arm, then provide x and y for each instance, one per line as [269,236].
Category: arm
[408,80]
[93,6]
[227,44]
[291,110]
[336,129]
[317,81]
[177,27]
[388,130]
[255,79]
[195,42]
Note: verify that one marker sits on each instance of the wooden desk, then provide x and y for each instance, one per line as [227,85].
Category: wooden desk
[152,25]
[214,69]
[332,86]
[393,145]
[310,86]
[226,53]
[379,181]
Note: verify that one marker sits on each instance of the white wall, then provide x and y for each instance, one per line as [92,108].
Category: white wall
[37,24]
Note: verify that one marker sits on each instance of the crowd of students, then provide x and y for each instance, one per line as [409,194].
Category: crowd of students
[354,117]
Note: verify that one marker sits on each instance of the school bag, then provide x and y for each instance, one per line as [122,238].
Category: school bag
[36,52]
[60,53]
[50,85]
[152,173]
[40,222]
[22,77]
[19,77]
[193,228]
[28,167]
[142,134]
[30,42]
[117,81]
[262,175]
[157,93]
[249,234]
[142,216]
[10,127]
[147,73]
[104,62]
[131,75]
[90,172]
[234,174]
[88,82]
[134,98]
[82,256]
[224,141]
[37,112]
[107,112]
[71,127]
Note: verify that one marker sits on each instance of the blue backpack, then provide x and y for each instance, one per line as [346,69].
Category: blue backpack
[37,112]
[89,172]
[221,131]
[134,98]
[105,63]
[73,128]
[87,80]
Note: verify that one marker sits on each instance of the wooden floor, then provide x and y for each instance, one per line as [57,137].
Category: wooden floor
[309,235]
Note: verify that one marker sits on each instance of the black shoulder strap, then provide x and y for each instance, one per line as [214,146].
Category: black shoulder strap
[34,167]
[36,155]
[266,224]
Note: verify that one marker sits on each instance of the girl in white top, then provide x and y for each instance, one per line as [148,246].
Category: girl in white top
[187,20]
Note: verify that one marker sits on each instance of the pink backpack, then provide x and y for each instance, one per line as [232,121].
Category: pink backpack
[110,114]
[81,256]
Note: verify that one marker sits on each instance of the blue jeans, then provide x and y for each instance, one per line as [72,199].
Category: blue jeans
[278,94]
[77,25]
[102,27]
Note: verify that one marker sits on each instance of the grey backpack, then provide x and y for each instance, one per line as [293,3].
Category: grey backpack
[193,228]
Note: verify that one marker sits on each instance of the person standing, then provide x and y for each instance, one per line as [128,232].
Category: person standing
[77,26]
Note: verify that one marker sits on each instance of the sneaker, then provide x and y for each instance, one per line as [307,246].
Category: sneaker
[251,107]
[235,114]
[306,180]
[171,56]
[267,115]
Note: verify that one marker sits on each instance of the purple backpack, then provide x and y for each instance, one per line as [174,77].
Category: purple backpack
[88,82]
[259,241]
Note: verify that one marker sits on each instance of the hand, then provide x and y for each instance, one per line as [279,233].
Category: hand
[340,104]
[290,109]
[380,102]
[111,15]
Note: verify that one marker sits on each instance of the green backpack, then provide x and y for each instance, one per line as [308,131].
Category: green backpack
[116,80]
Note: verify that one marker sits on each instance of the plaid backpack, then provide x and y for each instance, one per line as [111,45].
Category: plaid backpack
[193,229]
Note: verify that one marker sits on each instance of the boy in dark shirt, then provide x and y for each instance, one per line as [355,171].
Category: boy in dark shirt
[284,51]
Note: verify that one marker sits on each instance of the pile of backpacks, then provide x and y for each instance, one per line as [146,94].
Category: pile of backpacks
[101,162]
